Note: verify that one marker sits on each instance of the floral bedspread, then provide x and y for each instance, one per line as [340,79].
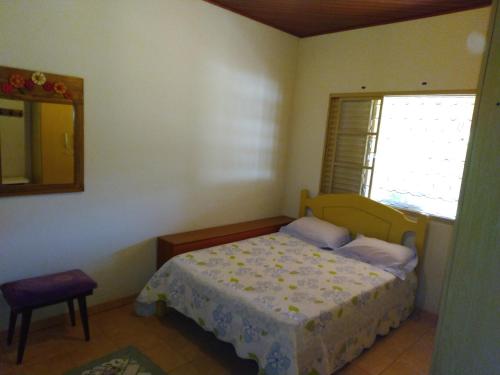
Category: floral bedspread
[293,308]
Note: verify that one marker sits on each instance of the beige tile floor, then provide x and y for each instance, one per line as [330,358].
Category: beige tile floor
[180,347]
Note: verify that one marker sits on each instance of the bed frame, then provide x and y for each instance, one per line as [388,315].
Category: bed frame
[362,215]
[357,213]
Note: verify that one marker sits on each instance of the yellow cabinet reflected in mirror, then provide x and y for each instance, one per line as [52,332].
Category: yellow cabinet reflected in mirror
[36,142]
[53,161]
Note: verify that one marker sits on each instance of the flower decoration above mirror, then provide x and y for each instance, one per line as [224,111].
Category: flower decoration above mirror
[25,84]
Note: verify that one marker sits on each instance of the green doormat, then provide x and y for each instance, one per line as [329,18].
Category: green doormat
[126,361]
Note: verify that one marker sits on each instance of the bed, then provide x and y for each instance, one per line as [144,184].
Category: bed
[288,305]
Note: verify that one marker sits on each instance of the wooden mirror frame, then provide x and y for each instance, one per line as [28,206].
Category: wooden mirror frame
[28,85]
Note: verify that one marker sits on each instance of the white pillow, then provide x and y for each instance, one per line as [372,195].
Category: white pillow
[396,259]
[317,232]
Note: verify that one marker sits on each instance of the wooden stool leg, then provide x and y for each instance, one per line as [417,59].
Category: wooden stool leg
[25,327]
[12,326]
[71,308]
[82,304]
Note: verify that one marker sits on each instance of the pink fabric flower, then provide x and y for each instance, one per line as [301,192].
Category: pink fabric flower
[16,80]
[68,95]
[29,85]
[7,88]
[48,86]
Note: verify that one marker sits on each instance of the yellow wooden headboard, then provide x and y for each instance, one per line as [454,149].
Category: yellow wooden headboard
[362,215]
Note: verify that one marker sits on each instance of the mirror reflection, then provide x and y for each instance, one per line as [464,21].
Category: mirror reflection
[36,142]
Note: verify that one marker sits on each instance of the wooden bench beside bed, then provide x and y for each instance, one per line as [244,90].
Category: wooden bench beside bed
[290,306]
[171,245]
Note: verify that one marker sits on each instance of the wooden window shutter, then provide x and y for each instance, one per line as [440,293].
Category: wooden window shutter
[350,144]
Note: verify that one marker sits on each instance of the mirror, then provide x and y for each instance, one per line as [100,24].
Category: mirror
[36,142]
[41,133]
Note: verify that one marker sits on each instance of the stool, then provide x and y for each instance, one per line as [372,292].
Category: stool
[23,296]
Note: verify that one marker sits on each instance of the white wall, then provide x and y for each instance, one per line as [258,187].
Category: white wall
[397,57]
[186,110]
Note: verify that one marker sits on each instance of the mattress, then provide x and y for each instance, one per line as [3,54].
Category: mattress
[293,308]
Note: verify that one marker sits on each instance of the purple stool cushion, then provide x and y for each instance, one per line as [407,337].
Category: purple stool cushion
[45,290]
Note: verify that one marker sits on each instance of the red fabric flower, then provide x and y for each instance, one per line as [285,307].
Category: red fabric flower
[68,95]
[7,88]
[48,86]
[60,88]
[16,80]
[29,85]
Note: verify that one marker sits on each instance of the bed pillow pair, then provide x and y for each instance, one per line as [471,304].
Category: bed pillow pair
[317,232]
[393,258]
[396,259]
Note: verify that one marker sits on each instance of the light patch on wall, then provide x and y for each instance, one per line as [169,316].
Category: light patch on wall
[476,43]
[241,134]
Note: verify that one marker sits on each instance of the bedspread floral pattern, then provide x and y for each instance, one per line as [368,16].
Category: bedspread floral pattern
[293,308]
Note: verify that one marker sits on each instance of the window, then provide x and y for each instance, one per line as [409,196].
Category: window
[407,151]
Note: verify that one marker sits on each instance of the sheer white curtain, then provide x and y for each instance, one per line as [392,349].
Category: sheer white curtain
[421,150]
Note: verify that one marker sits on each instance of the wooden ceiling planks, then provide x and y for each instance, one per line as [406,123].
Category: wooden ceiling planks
[305,18]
